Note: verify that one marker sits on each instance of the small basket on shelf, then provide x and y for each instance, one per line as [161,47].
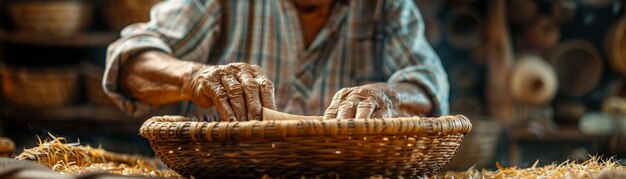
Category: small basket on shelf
[479,147]
[121,13]
[92,76]
[53,18]
[306,145]
[39,87]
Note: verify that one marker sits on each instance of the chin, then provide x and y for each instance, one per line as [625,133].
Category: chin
[311,3]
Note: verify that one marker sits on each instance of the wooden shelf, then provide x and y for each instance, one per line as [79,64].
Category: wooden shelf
[90,39]
[73,113]
[561,134]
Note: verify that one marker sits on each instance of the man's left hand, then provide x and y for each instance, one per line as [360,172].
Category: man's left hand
[378,100]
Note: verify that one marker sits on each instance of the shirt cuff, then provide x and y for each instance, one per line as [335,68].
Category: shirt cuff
[118,54]
[432,84]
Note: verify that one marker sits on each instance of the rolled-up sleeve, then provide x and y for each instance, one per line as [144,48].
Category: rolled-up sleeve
[186,29]
[409,58]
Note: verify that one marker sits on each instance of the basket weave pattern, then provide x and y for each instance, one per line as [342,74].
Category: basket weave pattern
[121,13]
[350,148]
[53,87]
[57,18]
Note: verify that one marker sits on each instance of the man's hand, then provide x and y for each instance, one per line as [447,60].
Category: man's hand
[379,100]
[239,91]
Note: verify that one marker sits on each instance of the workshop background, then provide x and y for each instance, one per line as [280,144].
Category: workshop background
[548,85]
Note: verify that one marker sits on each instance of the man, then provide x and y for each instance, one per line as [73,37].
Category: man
[337,58]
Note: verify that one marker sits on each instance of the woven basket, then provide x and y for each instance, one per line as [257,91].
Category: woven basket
[39,87]
[478,148]
[92,76]
[406,147]
[121,13]
[55,18]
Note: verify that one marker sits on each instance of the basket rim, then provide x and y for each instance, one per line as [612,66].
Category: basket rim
[178,128]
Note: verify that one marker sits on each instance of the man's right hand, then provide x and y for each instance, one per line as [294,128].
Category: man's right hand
[239,91]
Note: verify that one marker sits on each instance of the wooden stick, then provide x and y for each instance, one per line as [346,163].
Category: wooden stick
[272,115]
[500,59]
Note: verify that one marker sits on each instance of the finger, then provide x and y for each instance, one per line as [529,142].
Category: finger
[235,96]
[254,69]
[266,87]
[200,98]
[251,89]
[377,114]
[365,109]
[331,111]
[220,98]
[347,108]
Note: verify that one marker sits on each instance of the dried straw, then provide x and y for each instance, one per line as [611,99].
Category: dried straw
[596,167]
[74,159]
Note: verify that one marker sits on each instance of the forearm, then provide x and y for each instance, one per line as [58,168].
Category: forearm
[155,77]
[411,99]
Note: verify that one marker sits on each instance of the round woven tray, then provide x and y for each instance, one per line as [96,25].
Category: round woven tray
[578,66]
[349,148]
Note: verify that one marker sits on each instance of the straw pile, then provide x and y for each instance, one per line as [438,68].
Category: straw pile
[592,168]
[74,159]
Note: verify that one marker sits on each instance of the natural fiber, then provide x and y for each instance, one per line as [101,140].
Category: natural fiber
[592,168]
[92,76]
[71,158]
[349,147]
[53,18]
[479,147]
[39,87]
[121,13]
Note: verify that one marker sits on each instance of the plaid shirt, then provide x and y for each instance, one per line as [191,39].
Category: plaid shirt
[363,41]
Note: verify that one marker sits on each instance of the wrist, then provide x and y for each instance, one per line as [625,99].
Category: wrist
[189,79]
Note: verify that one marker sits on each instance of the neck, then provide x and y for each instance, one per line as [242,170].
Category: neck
[312,19]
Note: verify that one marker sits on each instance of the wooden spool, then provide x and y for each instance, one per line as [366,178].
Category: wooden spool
[522,11]
[616,46]
[464,28]
[578,66]
[563,11]
[533,81]
[6,147]
[542,34]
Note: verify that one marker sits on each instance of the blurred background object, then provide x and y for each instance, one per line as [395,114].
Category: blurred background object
[121,13]
[547,71]
[56,18]
[7,147]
